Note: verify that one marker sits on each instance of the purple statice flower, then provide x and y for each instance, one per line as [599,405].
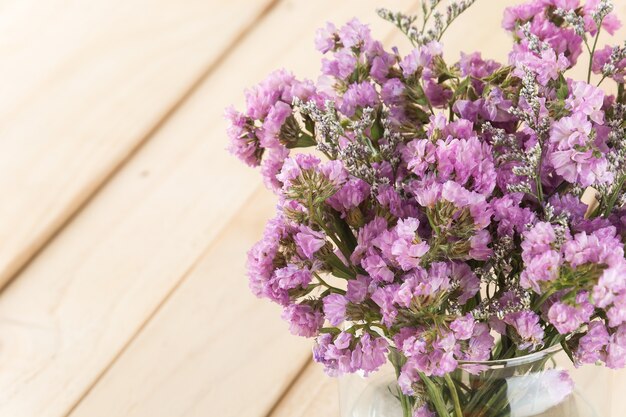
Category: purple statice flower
[479,345]
[479,246]
[335,355]
[303,319]
[473,65]
[389,198]
[495,107]
[427,194]
[350,195]
[602,246]
[610,293]
[342,355]
[293,166]
[538,239]
[419,155]
[519,14]
[423,284]
[335,308]
[610,23]
[420,57]
[573,157]
[616,314]
[602,58]
[541,260]
[511,217]
[309,241]
[358,289]
[423,411]
[564,317]
[546,67]
[616,350]
[355,34]
[365,237]
[586,99]
[569,205]
[335,171]
[291,277]
[384,298]
[562,39]
[468,283]
[611,283]
[463,327]
[540,268]
[261,262]
[343,64]
[392,92]
[591,347]
[358,95]
[526,325]
[272,165]
[381,62]
[437,94]
[466,161]
[476,203]
[270,131]
[370,353]
[408,248]
[279,86]
[568,318]
[244,143]
[377,268]
[432,358]
[326,37]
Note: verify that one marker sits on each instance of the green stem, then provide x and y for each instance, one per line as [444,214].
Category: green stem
[434,393]
[396,360]
[613,199]
[455,396]
[592,54]
[330,287]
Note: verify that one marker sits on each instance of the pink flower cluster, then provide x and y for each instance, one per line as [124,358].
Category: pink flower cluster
[426,182]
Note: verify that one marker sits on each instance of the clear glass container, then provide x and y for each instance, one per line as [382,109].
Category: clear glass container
[543,384]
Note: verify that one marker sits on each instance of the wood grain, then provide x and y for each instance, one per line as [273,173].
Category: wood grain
[213,349]
[83,85]
[192,376]
[77,305]
[314,394]
[138,307]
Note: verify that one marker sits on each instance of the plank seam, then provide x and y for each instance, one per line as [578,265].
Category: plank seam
[306,363]
[163,302]
[84,198]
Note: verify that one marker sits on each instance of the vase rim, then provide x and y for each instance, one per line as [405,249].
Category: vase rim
[517,361]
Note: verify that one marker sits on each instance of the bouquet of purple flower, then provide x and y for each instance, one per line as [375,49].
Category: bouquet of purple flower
[447,214]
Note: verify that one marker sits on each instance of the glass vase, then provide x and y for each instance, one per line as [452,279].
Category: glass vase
[543,384]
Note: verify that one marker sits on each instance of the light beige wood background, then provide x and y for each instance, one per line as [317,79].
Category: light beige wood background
[124,223]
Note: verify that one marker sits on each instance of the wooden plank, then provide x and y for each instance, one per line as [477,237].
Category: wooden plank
[231,357]
[192,369]
[76,306]
[84,83]
[313,394]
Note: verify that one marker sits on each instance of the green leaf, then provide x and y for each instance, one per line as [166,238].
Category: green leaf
[304,141]
[435,396]
[562,91]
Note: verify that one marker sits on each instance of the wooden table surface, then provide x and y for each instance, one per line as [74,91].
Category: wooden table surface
[124,223]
